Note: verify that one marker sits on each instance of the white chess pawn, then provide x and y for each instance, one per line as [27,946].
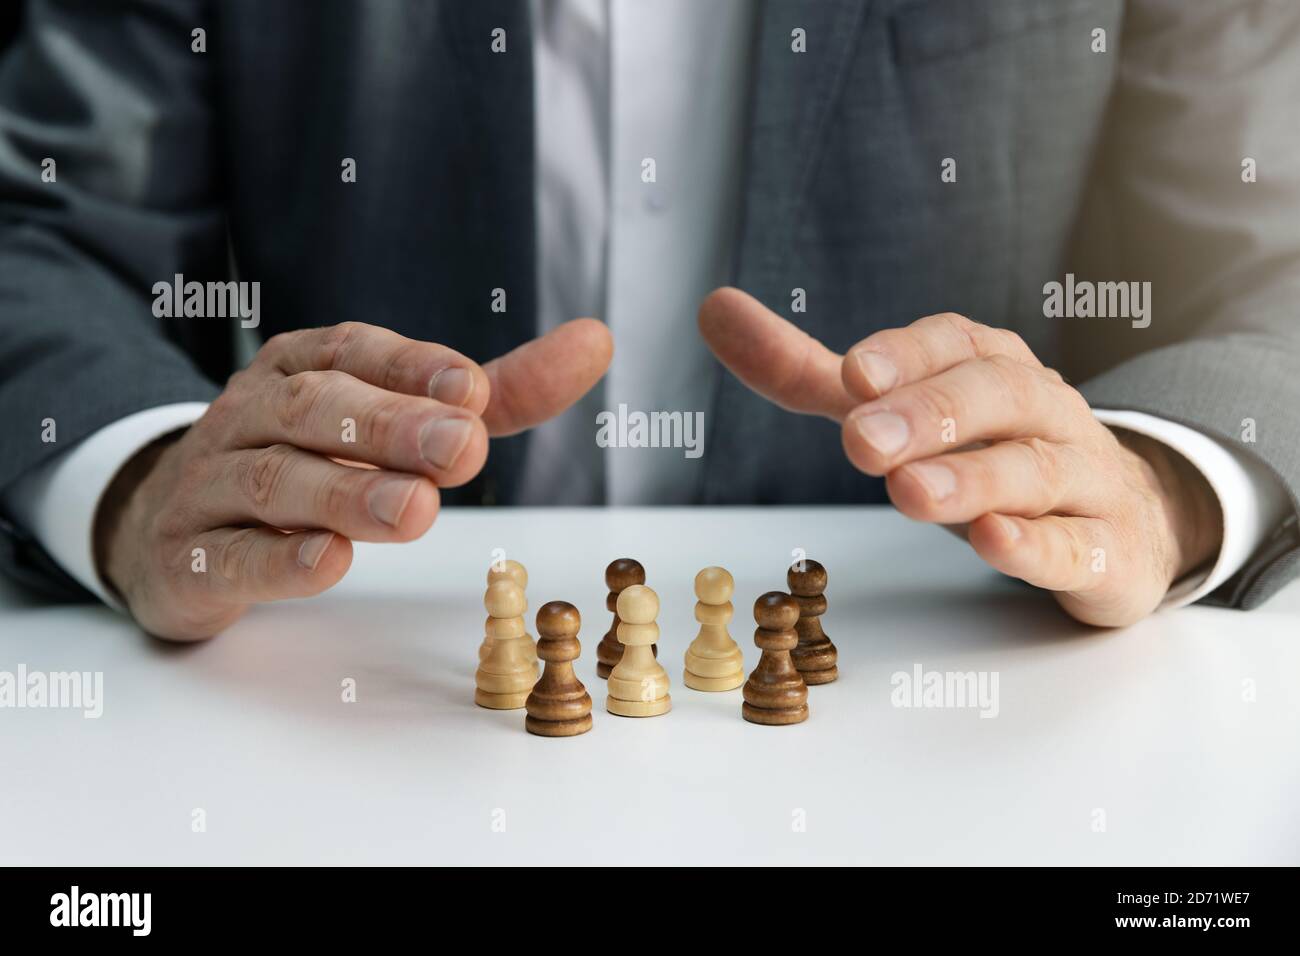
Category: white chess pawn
[506,675]
[509,571]
[638,685]
[714,661]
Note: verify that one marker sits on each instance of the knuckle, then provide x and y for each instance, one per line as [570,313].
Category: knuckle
[1074,400]
[1011,341]
[937,403]
[1005,365]
[1060,393]
[300,396]
[336,495]
[400,367]
[193,476]
[1053,376]
[237,381]
[236,557]
[335,343]
[383,422]
[276,346]
[1007,337]
[175,559]
[278,341]
[263,474]
[1044,464]
[950,320]
[979,475]
[172,524]
[929,323]
[1078,548]
[1010,380]
[964,328]
[221,415]
[943,325]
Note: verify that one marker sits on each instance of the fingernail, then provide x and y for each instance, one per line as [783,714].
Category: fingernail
[442,440]
[937,479]
[878,370]
[313,549]
[452,386]
[886,432]
[387,500]
[1012,528]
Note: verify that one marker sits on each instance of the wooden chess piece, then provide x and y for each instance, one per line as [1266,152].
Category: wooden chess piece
[775,693]
[714,661]
[506,675]
[621,573]
[559,706]
[638,685]
[509,571]
[815,658]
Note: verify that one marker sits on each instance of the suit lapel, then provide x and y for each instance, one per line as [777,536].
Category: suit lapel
[794,95]
[498,163]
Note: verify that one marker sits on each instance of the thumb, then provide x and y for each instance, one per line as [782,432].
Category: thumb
[544,376]
[778,360]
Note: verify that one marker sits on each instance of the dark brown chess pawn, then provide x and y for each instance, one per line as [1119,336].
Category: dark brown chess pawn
[559,706]
[775,693]
[619,576]
[816,657]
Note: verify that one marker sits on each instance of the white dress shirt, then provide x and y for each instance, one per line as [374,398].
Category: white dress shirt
[619,82]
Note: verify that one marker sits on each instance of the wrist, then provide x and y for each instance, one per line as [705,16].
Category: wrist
[1189,508]
[117,515]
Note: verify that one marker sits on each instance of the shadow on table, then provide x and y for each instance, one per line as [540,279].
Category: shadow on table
[414,660]
[1003,616]
[931,594]
[410,659]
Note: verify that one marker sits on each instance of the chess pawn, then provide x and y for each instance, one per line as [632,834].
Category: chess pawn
[559,706]
[714,660]
[816,657]
[621,574]
[775,693]
[638,685]
[506,675]
[509,571]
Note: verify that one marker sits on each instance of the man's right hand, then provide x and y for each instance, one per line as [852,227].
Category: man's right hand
[255,482]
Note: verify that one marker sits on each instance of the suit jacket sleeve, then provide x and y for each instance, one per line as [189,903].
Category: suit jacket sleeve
[1206,96]
[113,94]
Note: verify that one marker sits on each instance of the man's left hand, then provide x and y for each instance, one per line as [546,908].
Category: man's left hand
[972,431]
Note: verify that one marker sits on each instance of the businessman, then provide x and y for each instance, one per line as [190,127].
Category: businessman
[929,204]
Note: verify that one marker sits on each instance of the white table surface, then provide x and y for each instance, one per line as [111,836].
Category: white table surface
[1148,725]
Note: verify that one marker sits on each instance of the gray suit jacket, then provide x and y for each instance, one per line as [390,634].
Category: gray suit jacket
[1119,165]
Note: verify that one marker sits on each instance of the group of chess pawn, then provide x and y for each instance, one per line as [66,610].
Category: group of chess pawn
[796,652]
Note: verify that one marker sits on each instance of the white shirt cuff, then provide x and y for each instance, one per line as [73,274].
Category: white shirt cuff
[1252,499]
[57,502]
